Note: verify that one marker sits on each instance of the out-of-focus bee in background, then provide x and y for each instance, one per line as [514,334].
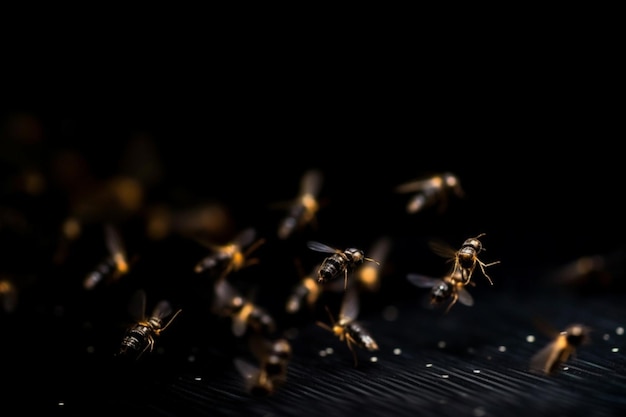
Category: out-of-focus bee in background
[432,190]
[142,335]
[270,371]
[466,258]
[244,313]
[8,294]
[231,257]
[347,329]
[340,262]
[368,275]
[563,346]
[304,207]
[449,288]
[305,293]
[115,265]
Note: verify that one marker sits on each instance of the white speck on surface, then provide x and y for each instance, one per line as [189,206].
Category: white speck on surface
[530,338]
[445,376]
[476,371]
[397,351]
[429,365]
[330,350]
[619,330]
[479,412]
[501,348]
[374,359]
[441,344]
[615,350]
[606,336]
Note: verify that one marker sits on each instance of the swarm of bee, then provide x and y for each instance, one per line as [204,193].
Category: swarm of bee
[228,297]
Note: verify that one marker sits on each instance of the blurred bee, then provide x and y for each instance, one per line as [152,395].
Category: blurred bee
[244,313]
[431,190]
[550,358]
[231,257]
[466,258]
[347,329]
[273,356]
[368,275]
[339,262]
[305,292]
[8,294]
[141,336]
[449,288]
[115,265]
[304,208]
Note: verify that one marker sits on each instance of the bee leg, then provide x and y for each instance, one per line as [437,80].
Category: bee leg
[345,285]
[454,298]
[351,347]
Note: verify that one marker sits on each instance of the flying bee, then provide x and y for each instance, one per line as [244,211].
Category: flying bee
[347,329]
[466,258]
[273,356]
[368,275]
[304,208]
[431,190]
[449,288]
[551,357]
[231,257]
[141,336]
[339,262]
[8,294]
[305,292]
[115,265]
[244,313]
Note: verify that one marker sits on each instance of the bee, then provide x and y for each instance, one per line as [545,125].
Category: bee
[451,287]
[347,329]
[244,313]
[466,258]
[549,359]
[305,292]
[435,189]
[115,265]
[368,275]
[141,336]
[231,257]
[273,357]
[304,208]
[339,262]
[8,294]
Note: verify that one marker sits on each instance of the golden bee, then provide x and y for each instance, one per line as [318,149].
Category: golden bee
[340,262]
[243,312]
[347,329]
[141,336]
[115,265]
[231,257]
[451,288]
[303,209]
[305,293]
[431,190]
[563,346]
[466,258]
[270,371]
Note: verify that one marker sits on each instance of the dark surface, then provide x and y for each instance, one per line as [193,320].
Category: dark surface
[540,207]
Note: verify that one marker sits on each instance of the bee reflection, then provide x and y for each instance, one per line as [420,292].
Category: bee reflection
[347,329]
[563,346]
[142,335]
[431,190]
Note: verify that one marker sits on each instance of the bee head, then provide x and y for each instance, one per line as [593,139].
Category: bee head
[354,256]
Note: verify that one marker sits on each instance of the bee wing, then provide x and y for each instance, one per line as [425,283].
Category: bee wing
[246,369]
[162,309]
[442,249]
[465,297]
[114,241]
[137,305]
[350,304]
[311,182]
[320,247]
[224,292]
[380,249]
[414,186]
[423,281]
[245,237]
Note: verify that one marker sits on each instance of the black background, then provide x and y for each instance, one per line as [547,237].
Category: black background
[537,152]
